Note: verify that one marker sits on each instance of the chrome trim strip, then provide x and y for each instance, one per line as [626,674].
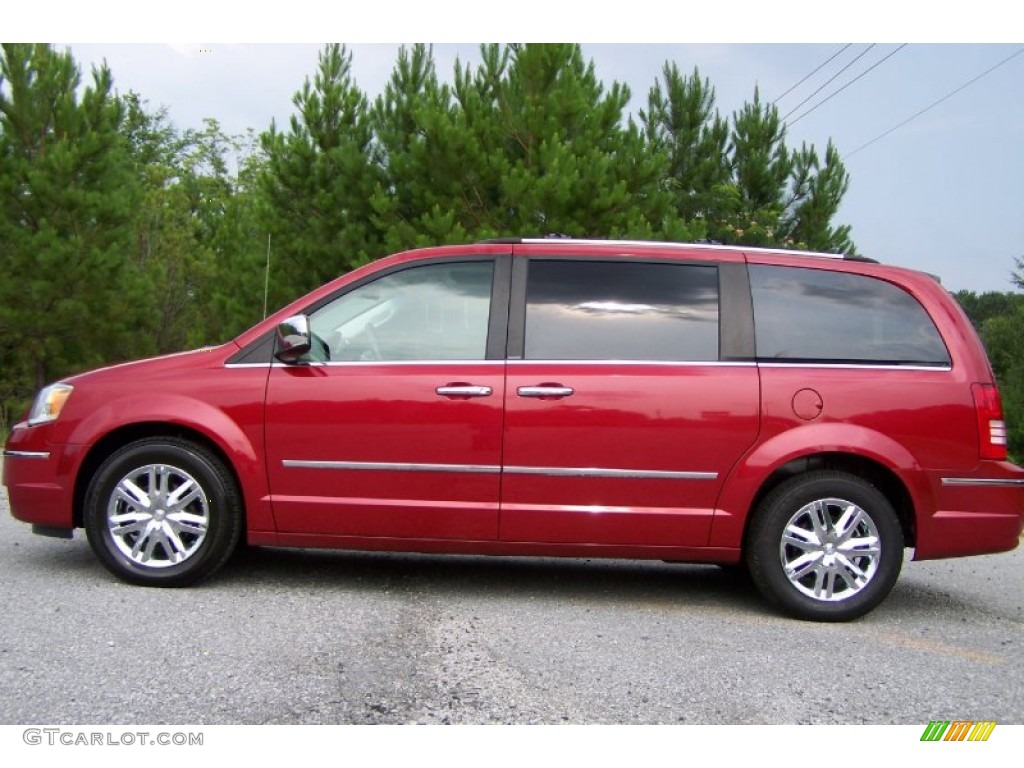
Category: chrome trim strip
[860,366]
[490,469]
[983,482]
[641,474]
[390,467]
[371,363]
[677,363]
[27,455]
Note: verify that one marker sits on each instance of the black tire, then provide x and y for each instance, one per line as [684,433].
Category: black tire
[825,578]
[163,512]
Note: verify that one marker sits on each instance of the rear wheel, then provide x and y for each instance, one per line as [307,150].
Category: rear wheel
[826,546]
[163,512]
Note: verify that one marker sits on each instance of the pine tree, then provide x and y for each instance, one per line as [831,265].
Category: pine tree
[682,123]
[570,164]
[761,164]
[526,143]
[427,180]
[318,181]
[238,298]
[197,240]
[738,181]
[70,296]
[816,192]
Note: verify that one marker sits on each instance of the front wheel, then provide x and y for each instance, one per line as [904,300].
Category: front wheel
[163,512]
[826,546]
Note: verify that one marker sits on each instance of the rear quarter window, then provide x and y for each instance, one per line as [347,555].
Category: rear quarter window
[812,315]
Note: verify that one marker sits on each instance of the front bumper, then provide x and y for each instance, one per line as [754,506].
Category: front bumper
[39,478]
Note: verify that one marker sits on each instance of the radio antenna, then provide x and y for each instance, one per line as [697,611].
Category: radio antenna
[266,279]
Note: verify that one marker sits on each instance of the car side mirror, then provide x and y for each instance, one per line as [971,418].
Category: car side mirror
[293,339]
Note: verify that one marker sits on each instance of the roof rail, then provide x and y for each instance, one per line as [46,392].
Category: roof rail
[702,244]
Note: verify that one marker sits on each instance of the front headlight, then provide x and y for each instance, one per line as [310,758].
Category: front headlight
[49,403]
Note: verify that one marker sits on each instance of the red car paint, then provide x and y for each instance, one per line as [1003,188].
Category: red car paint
[662,459]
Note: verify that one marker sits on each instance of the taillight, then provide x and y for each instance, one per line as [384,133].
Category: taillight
[991,427]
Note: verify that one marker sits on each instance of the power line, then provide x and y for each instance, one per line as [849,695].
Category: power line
[847,85]
[916,115]
[837,74]
[812,73]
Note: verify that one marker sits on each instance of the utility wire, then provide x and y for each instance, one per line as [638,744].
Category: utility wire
[813,72]
[837,74]
[847,85]
[916,115]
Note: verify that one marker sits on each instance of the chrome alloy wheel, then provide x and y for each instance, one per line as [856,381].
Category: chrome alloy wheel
[158,515]
[830,549]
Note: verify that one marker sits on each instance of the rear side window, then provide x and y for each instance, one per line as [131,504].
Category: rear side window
[812,315]
[597,310]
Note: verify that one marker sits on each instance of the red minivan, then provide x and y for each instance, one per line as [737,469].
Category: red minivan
[804,415]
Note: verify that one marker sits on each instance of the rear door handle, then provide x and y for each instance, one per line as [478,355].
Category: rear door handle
[545,390]
[463,390]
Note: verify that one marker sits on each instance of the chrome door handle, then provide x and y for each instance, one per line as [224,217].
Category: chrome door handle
[545,391]
[463,390]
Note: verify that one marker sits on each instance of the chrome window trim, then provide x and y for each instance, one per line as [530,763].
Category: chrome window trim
[364,363]
[368,363]
[983,482]
[860,366]
[26,455]
[677,363]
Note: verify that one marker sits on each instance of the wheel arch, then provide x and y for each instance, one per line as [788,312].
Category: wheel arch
[873,471]
[848,447]
[130,433]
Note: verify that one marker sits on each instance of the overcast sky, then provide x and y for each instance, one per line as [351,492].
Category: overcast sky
[943,193]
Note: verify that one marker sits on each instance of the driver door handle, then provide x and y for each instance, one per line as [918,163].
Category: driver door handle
[545,390]
[463,390]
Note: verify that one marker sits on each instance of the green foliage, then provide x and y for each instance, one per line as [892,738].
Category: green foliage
[740,180]
[121,235]
[237,297]
[816,191]
[527,143]
[69,298]
[999,320]
[980,308]
[124,236]
[424,197]
[197,242]
[680,125]
[318,181]
[1004,338]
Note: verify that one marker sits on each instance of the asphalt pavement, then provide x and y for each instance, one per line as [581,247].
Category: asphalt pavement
[289,636]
